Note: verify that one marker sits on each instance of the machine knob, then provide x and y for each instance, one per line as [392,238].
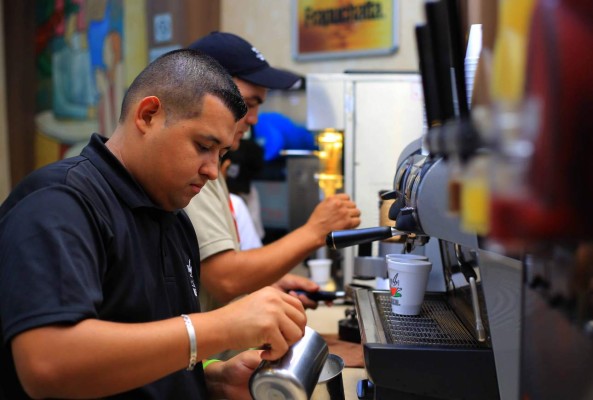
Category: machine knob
[365,390]
[391,195]
[406,220]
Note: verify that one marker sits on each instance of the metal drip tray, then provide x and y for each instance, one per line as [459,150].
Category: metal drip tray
[430,355]
[437,324]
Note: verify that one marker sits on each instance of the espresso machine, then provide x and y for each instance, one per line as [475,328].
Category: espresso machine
[465,343]
[512,317]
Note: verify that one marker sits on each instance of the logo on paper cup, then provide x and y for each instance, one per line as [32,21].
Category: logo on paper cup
[396,291]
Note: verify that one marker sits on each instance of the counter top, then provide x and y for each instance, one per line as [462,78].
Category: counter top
[324,320]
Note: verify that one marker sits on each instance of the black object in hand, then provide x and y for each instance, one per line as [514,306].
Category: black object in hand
[322,295]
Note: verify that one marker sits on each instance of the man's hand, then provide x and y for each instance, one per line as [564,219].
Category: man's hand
[230,379]
[268,317]
[290,282]
[334,213]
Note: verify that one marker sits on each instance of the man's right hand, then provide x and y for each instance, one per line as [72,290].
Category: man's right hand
[267,319]
[334,213]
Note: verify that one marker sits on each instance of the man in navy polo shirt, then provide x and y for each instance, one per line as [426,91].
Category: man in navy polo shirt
[99,268]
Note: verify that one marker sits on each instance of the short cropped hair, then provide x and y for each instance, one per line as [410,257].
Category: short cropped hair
[181,79]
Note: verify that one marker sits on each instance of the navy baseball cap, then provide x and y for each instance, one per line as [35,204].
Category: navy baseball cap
[244,61]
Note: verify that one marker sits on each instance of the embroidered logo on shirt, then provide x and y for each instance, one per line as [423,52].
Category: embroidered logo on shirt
[191,277]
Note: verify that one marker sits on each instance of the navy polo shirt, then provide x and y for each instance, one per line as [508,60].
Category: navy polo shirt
[80,239]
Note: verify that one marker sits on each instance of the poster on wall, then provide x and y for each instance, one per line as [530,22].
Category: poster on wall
[325,29]
[83,65]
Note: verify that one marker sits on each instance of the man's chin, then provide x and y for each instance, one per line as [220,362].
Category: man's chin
[237,143]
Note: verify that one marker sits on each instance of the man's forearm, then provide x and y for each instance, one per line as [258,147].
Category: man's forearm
[233,273]
[96,358]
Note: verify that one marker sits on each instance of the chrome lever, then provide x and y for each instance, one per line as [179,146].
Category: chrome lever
[480,331]
[471,278]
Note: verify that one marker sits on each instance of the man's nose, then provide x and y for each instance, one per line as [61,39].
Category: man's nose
[251,117]
[210,168]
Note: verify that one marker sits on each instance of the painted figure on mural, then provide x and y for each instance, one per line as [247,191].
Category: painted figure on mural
[74,90]
[81,81]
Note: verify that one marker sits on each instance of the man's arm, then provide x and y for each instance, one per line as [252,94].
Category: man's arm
[230,273]
[98,358]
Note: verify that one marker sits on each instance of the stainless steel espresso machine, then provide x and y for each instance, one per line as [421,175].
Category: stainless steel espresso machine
[465,342]
[513,318]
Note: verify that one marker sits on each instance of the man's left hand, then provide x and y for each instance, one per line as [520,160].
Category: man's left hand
[290,282]
[230,379]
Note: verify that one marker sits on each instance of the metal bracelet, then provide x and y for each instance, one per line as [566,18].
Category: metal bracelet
[193,347]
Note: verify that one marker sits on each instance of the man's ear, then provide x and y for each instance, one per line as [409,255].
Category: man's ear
[224,166]
[148,108]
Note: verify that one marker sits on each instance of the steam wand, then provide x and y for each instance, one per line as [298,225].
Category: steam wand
[350,237]
[470,276]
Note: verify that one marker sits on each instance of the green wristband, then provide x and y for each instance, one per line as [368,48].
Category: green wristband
[208,362]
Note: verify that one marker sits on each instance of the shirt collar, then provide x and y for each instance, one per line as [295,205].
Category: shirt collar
[122,182]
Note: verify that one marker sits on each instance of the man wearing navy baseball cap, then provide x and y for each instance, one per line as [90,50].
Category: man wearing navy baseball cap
[227,272]
[244,61]
[250,71]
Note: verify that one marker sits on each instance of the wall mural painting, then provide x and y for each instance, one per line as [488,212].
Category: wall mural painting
[80,73]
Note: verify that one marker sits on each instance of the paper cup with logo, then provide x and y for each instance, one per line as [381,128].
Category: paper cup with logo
[319,270]
[407,282]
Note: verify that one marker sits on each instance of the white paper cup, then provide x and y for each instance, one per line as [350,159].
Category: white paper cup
[320,270]
[407,282]
[406,256]
[381,283]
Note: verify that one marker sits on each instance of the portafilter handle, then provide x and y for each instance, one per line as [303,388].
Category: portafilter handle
[350,237]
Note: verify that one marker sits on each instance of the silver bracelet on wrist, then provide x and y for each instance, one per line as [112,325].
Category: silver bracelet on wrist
[193,347]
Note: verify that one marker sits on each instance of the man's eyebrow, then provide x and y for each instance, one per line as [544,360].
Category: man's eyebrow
[216,141]
[258,99]
[210,138]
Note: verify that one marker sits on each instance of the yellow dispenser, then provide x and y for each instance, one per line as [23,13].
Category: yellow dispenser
[330,143]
